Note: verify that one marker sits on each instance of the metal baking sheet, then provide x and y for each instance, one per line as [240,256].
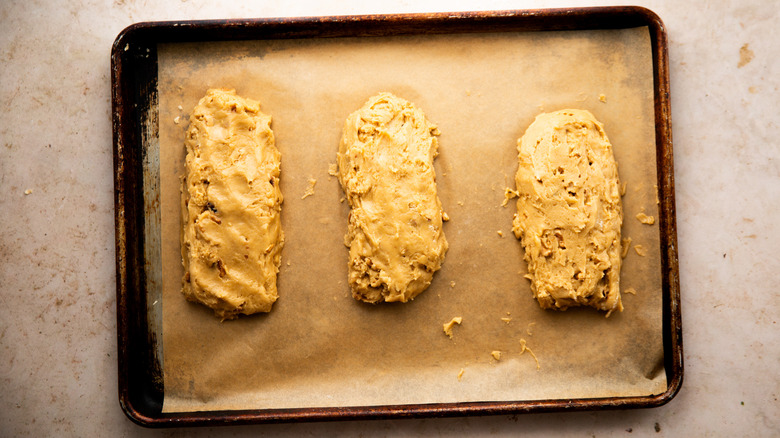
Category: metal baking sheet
[144,131]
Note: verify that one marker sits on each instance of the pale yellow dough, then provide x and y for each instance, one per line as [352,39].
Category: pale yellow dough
[385,166]
[447,327]
[231,239]
[569,212]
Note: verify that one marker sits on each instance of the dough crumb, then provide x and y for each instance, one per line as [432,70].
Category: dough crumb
[176,120]
[333,169]
[626,244]
[500,233]
[28,192]
[496,354]
[509,194]
[452,283]
[506,320]
[645,219]
[444,216]
[310,190]
[460,374]
[528,329]
[602,98]
[630,290]
[641,250]
[180,108]
[623,189]
[460,203]
[745,56]
[448,326]
[524,348]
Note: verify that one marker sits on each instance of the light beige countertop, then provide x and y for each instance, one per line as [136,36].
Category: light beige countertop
[58,369]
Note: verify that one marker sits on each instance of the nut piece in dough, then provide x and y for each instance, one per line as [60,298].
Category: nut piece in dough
[569,212]
[231,239]
[395,236]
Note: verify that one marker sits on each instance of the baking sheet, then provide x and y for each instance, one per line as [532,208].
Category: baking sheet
[321,348]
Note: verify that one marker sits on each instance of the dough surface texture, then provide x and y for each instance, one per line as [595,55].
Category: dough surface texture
[569,212]
[231,239]
[385,166]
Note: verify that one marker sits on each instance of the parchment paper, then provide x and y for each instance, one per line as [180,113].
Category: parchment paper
[320,347]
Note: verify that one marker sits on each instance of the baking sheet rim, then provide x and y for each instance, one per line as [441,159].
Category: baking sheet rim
[664,140]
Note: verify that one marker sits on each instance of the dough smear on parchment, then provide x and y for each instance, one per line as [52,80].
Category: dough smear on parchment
[569,212]
[385,166]
[231,239]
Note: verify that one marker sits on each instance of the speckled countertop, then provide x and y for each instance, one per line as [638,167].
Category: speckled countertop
[58,371]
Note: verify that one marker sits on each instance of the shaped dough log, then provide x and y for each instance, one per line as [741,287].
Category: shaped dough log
[569,212]
[395,235]
[231,235]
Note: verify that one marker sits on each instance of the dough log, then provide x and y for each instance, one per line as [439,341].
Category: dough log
[395,236]
[231,237]
[569,212]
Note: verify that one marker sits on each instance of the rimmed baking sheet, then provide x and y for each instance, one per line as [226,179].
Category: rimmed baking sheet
[319,348]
